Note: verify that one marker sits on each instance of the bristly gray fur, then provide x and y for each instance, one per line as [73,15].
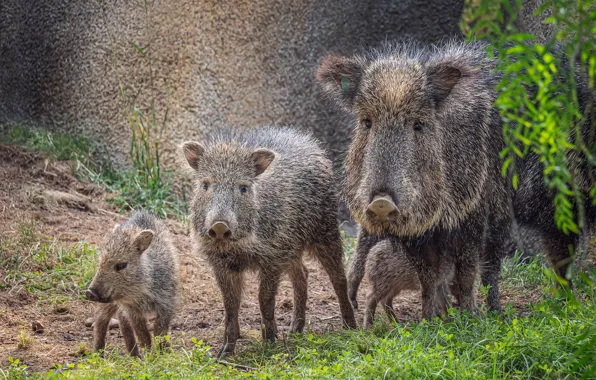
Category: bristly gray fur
[433,146]
[287,209]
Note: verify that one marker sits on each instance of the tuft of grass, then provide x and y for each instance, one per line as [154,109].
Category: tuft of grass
[42,264]
[59,146]
[24,341]
[349,244]
[143,186]
[132,190]
[524,273]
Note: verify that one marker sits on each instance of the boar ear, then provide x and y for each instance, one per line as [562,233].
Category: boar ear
[143,240]
[442,78]
[193,152]
[340,77]
[262,158]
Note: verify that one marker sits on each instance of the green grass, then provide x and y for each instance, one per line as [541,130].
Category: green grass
[524,274]
[349,244]
[551,342]
[134,188]
[43,265]
[57,145]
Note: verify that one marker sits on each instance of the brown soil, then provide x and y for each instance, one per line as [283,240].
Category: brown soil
[23,176]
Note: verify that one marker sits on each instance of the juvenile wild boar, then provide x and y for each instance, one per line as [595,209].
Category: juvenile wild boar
[424,164]
[390,271]
[261,199]
[365,242]
[137,275]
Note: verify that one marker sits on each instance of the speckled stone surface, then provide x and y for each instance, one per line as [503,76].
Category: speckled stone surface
[243,63]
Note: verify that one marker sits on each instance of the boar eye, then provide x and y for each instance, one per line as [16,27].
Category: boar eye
[418,127]
[121,266]
[367,123]
[205,185]
[243,189]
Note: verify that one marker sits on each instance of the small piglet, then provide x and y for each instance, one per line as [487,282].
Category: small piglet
[137,275]
[390,271]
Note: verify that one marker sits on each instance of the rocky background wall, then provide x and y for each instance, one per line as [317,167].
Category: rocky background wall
[213,63]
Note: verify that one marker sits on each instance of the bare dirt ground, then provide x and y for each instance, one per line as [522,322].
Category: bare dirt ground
[23,176]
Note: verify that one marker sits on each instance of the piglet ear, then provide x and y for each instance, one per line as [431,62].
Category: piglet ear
[339,77]
[261,159]
[142,240]
[193,152]
[441,80]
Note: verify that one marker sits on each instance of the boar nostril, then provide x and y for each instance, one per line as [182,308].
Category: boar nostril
[220,230]
[382,208]
[392,216]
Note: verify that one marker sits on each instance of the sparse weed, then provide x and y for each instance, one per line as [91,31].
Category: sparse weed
[26,232]
[24,341]
[82,350]
[349,244]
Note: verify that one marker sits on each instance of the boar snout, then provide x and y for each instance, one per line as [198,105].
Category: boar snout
[382,208]
[220,230]
[92,295]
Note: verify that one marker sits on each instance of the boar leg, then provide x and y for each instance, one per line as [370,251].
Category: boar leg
[128,334]
[490,277]
[431,306]
[269,282]
[331,257]
[429,276]
[358,264]
[466,270]
[162,324]
[102,321]
[369,312]
[299,277]
[230,283]
[557,248]
[388,306]
[139,324]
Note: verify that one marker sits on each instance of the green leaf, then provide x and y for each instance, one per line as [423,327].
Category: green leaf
[137,47]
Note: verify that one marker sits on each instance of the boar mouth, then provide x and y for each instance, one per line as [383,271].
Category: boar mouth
[99,299]
[232,244]
[402,224]
[222,245]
